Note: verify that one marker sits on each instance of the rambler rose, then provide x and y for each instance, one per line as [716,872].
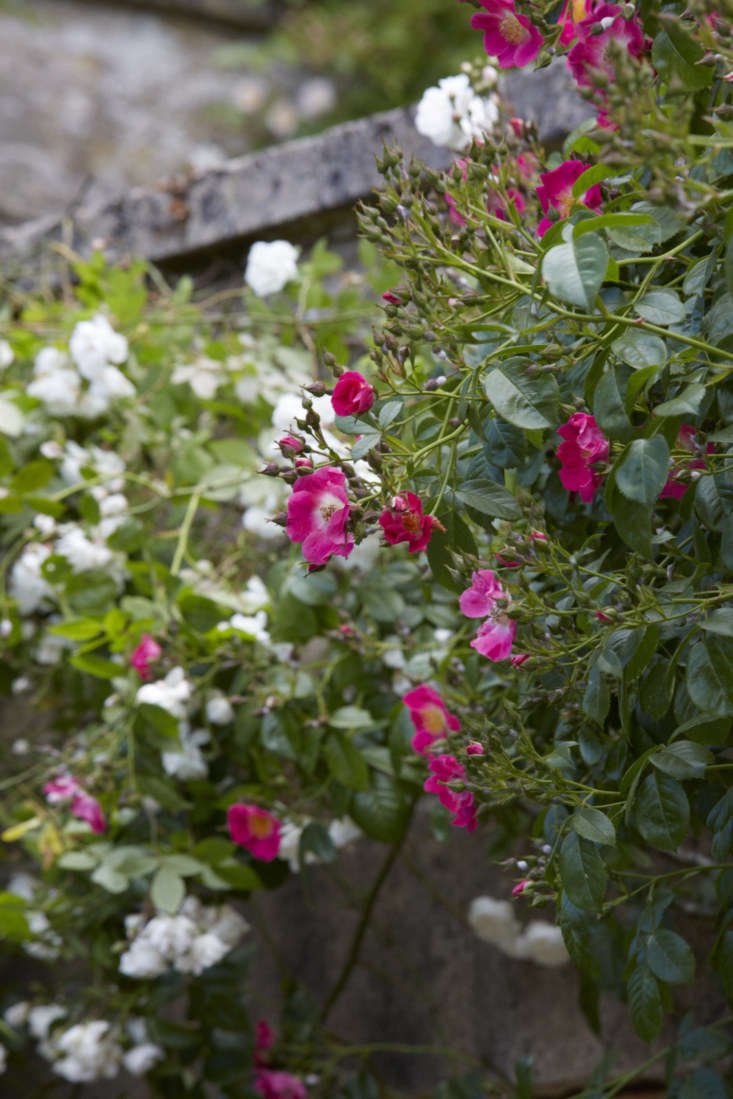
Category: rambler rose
[66,789]
[146,653]
[404,522]
[584,445]
[430,717]
[556,191]
[508,37]
[254,829]
[461,804]
[318,512]
[486,598]
[352,394]
[605,28]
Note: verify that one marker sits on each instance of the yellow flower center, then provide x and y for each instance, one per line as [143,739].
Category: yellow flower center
[260,826]
[433,719]
[511,29]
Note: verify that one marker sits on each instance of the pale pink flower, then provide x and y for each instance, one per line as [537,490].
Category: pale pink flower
[279,1085]
[404,522]
[144,655]
[585,444]
[508,37]
[487,597]
[318,511]
[461,804]
[430,717]
[556,191]
[66,788]
[254,829]
[352,394]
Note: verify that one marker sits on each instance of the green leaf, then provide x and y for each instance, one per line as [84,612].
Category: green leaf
[362,446]
[389,412]
[720,621]
[381,811]
[96,666]
[583,872]
[31,477]
[710,675]
[662,812]
[109,879]
[574,271]
[596,699]
[345,762]
[314,588]
[609,408]
[77,629]
[13,923]
[640,349]
[527,400]
[645,1004]
[686,403]
[592,824]
[706,729]
[489,498]
[642,470]
[674,55]
[661,307]
[728,264]
[682,759]
[167,890]
[351,717]
[670,958]
[76,860]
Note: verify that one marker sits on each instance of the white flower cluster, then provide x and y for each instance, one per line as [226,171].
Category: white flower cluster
[186,761]
[86,381]
[271,265]
[85,1051]
[452,115]
[495,922]
[83,550]
[341,832]
[198,937]
[172,693]
[46,944]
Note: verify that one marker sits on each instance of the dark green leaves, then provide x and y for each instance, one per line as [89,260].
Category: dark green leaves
[583,872]
[675,58]
[593,824]
[574,271]
[381,811]
[670,958]
[710,675]
[662,811]
[345,762]
[645,1003]
[486,496]
[642,470]
[523,394]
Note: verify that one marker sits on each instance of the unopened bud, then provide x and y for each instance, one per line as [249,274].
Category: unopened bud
[316,388]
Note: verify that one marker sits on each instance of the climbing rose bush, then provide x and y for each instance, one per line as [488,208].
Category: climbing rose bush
[488,596]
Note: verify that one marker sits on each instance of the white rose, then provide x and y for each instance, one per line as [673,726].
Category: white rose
[271,265]
[140,1059]
[543,943]
[495,922]
[142,960]
[219,710]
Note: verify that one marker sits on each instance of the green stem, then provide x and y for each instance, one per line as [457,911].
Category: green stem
[186,525]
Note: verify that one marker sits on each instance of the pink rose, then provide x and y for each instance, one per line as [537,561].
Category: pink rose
[508,37]
[290,445]
[430,717]
[461,804]
[556,190]
[144,655]
[318,511]
[254,829]
[674,488]
[352,394]
[585,444]
[604,25]
[404,522]
[66,788]
[279,1085]
[487,598]
[473,748]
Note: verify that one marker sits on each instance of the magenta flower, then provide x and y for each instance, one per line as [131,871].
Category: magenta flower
[64,789]
[461,804]
[352,394]
[674,488]
[391,298]
[487,598]
[473,748]
[279,1085]
[556,190]
[254,829]
[290,445]
[604,24]
[585,444]
[264,1039]
[318,511]
[404,522]
[146,653]
[508,37]
[430,717]
[573,12]
[520,887]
